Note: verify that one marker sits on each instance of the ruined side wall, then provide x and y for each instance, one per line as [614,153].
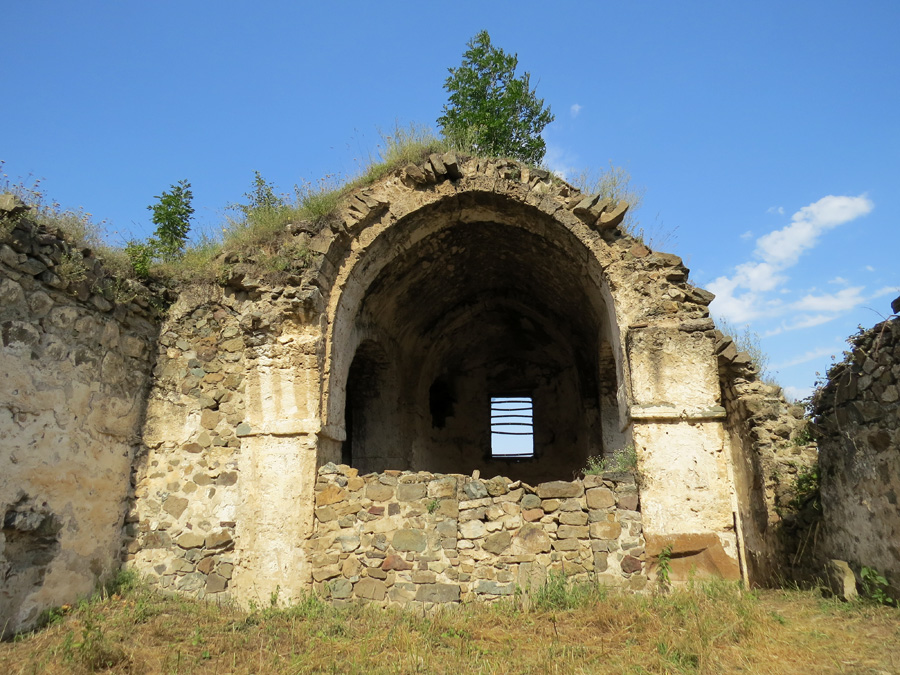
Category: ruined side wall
[402,537]
[74,367]
[857,423]
[223,496]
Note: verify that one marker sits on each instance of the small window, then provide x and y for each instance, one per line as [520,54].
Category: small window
[512,427]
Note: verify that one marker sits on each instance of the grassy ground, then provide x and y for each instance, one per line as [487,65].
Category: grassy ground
[704,629]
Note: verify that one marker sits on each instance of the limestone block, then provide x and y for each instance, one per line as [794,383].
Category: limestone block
[600,498]
[370,589]
[560,490]
[438,593]
[409,540]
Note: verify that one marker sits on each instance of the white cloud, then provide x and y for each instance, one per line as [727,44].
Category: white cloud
[783,247]
[811,355]
[885,290]
[842,301]
[747,235]
[841,281]
[869,268]
[575,109]
[802,321]
[776,209]
[740,297]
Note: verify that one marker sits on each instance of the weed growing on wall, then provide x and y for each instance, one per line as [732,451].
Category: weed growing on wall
[622,460]
[875,586]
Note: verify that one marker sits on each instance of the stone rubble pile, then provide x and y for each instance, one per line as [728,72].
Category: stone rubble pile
[400,537]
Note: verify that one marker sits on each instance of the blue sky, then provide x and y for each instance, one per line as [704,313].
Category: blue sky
[766,134]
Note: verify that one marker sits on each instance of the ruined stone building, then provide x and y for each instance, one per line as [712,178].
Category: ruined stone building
[335,432]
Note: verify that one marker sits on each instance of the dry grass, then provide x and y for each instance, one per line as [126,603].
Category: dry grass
[705,629]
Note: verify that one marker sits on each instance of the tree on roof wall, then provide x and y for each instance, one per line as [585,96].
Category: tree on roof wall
[490,111]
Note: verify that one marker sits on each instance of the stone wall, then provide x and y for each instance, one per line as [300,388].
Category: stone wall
[768,454]
[403,537]
[857,424]
[75,363]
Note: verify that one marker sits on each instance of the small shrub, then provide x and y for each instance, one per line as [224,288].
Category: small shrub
[71,267]
[622,460]
[875,586]
[806,488]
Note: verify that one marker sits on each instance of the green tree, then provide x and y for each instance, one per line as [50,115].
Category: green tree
[261,196]
[172,217]
[490,111]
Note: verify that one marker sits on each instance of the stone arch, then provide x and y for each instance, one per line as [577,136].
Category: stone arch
[486,287]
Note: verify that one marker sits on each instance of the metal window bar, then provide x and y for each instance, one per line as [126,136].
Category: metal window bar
[512,417]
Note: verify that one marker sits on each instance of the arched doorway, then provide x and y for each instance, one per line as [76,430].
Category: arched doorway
[476,298]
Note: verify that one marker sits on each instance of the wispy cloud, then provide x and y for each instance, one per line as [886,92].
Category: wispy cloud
[802,321]
[742,296]
[806,357]
[747,235]
[843,300]
[575,109]
[776,209]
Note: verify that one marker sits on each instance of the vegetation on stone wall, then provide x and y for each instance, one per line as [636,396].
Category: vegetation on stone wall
[267,231]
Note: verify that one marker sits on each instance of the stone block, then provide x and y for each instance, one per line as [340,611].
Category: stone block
[370,589]
[442,488]
[437,593]
[572,532]
[487,587]
[327,572]
[600,498]
[395,562]
[630,564]
[560,489]
[410,492]
[605,530]
[472,529]
[220,539]
[215,583]
[573,518]
[530,501]
[378,492]
[840,580]
[628,502]
[409,540]
[531,538]
[330,495]
[475,489]
[497,543]
[175,506]
[341,588]
[190,540]
[532,515]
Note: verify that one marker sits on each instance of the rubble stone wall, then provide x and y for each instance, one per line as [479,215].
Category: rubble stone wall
[401,537]
[75,360]
[857,424]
